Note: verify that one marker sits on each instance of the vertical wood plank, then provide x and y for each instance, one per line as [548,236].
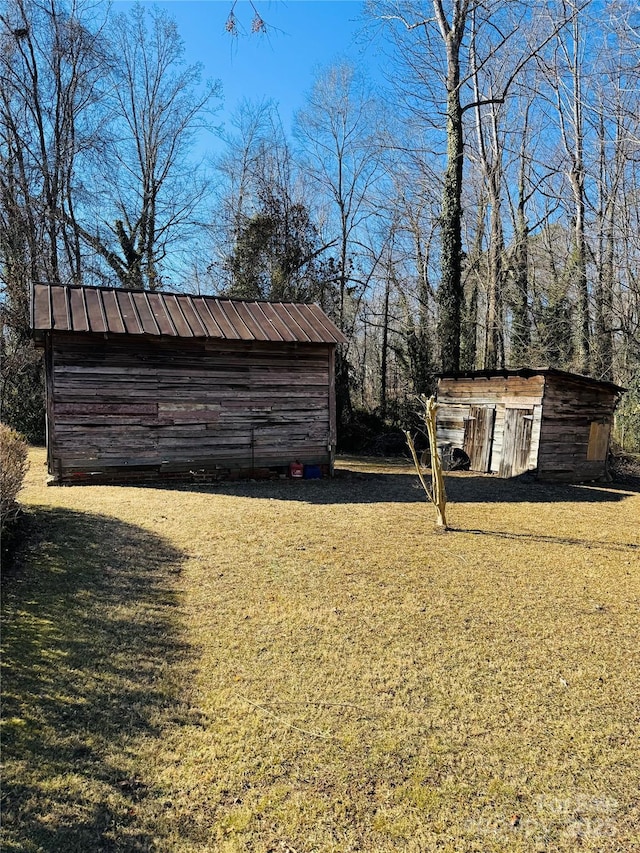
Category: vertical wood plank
[333,432]
[49,403]
[516,444]
[478,437]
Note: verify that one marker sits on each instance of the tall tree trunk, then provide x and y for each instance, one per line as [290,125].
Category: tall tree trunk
[450,292]
[579,269]
[469,334]
[385,348]
[521,328]
[604,284]
[572,129]
[494,342]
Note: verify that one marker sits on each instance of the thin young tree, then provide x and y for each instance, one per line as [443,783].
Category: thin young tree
[566,72]
[437,494]
[339,131]
[149,184]
[440,47]
[51,68]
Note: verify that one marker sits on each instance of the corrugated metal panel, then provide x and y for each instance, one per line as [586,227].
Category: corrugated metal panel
[128,312]
[279,326]
[226,327]
[159,311]
[286,315]
[95,311]
[306,323]
[79,313]
[109,310]
[147,320]
[115,322]
[233,317]
[213,329]
[61,311]
[177,317]
[41,312]
[244,309]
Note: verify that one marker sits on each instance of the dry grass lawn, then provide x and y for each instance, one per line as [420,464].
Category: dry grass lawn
[309,666]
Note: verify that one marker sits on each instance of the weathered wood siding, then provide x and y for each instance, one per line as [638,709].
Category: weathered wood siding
[553,422]
[478,436]
[458,397]
[153,408]
[570,411]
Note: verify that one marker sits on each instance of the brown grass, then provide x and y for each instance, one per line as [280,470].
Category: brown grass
[309,666]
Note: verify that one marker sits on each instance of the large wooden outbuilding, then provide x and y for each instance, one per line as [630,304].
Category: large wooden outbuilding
[151,386]
[547,421]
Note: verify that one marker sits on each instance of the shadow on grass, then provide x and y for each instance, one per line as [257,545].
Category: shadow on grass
[90,633]
[351,486]
[554,540]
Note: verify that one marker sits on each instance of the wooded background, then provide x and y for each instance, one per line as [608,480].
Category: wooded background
[480,210]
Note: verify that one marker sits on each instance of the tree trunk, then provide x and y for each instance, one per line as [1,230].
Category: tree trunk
[437,494]
[385,349]
[521,329]
[450,297]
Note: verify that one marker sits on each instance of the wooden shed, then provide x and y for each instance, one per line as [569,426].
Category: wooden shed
[553,423]
[150,386]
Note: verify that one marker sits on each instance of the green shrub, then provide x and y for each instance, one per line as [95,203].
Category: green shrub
[13,467]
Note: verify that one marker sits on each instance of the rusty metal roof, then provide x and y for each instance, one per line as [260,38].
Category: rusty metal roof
[106,310]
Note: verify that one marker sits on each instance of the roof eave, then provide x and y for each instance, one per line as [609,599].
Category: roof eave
[528,372]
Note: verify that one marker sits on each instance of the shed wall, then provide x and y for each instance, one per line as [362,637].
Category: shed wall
[457,396]
[153,408]
[570,409]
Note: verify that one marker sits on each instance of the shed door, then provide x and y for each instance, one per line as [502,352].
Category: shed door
[516,442]
[598,441]
[478,436]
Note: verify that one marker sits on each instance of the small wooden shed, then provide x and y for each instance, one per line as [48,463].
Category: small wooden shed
[548,421]
[150,386]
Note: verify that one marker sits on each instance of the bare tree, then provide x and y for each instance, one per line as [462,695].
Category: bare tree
[443,48]
[50,73]
[51,69]
[614,122]
[490,153]
[148,181]
[565,71]
[339,130]
[255,135]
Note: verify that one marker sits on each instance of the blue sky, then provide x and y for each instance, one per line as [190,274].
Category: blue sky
[302,35]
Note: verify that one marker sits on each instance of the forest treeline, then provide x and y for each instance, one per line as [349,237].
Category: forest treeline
[479,207]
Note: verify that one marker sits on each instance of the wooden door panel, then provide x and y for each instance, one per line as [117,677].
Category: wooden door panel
[516,442]
[478,437]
